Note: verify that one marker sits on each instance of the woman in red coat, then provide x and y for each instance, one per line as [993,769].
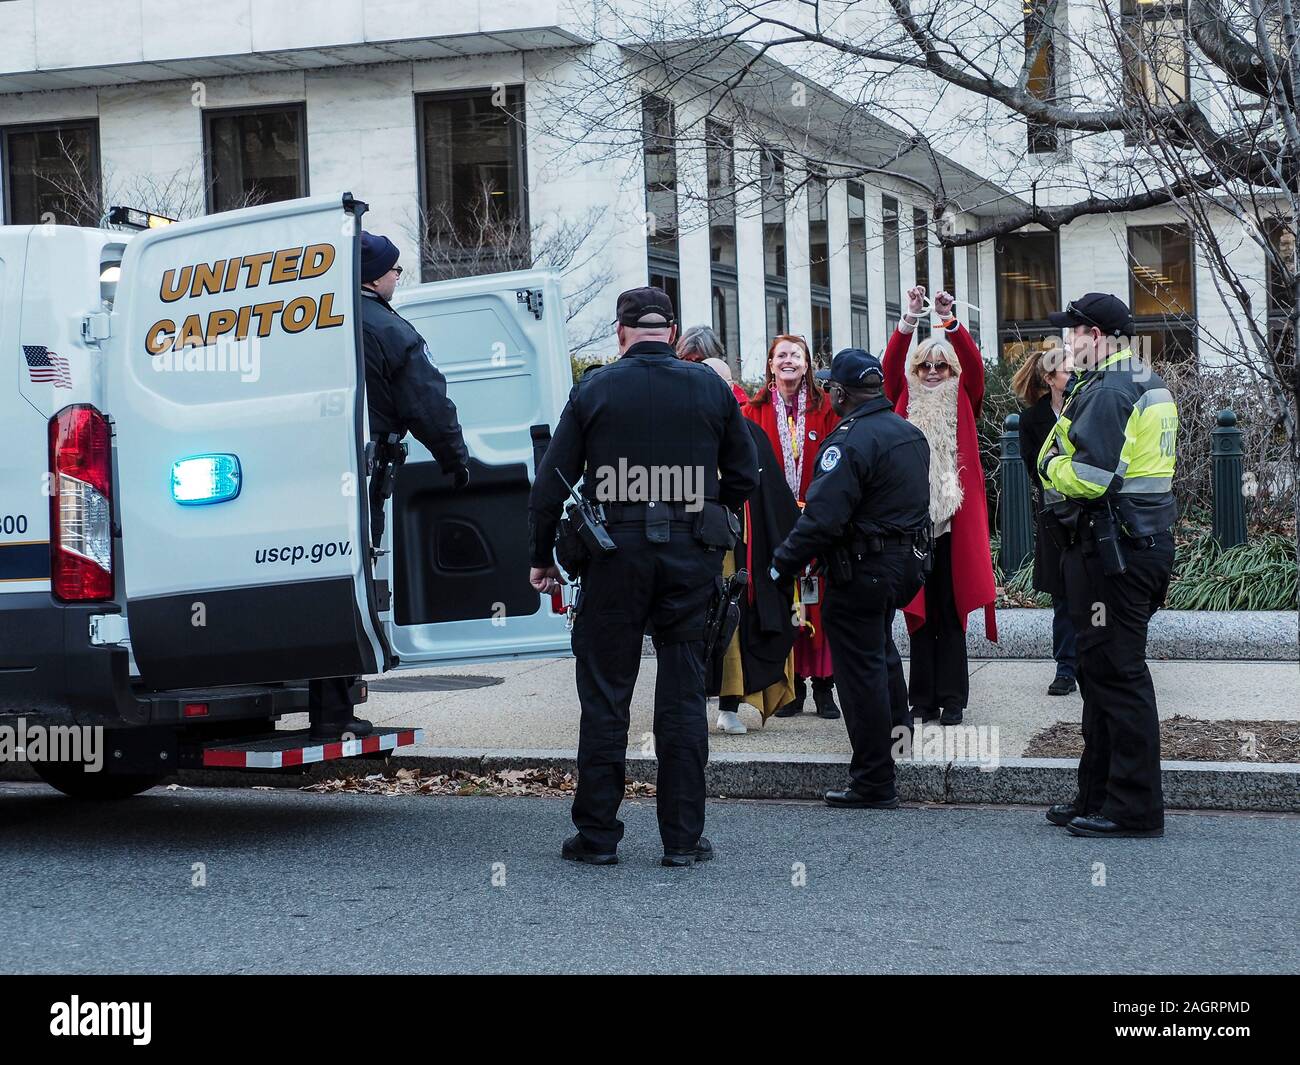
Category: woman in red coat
[939,387]
[796,415]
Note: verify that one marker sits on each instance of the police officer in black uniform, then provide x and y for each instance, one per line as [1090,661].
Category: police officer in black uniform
[867,518]
[405,391]
[648,411]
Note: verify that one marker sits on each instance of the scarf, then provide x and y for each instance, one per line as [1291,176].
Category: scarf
[790,440]
[934,412]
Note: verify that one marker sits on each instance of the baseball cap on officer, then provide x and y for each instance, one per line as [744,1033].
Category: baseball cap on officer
[855,368]
[1107,312]
[645,308]
[378,256]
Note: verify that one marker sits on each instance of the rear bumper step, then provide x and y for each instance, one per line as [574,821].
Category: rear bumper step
[295,747]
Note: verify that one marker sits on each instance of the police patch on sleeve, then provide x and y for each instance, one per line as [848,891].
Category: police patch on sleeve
[830,458]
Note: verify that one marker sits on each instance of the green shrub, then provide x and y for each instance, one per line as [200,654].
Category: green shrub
[1258,575]
[580,364]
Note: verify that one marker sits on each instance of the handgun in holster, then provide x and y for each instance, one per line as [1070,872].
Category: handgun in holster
[723,614]
[1062,521]
[923,547]
[390,454]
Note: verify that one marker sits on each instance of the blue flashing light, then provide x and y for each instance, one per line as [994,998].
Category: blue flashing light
[203,479]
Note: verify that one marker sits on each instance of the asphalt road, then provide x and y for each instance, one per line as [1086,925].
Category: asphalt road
[343,883]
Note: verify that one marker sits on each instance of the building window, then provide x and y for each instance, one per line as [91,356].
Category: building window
[1028,271]
[1040,54]
[1280,267]
[1153,49]
[1161,294]
[659,138]
[921,256]
[668,277]
[473,205]
[858,317]
[819,268]
[51,174]
[726,321]
[725,289]
[893,265]
[255,155]
[776,296]
[973,291]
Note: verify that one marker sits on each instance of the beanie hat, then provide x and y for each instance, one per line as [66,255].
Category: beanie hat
[378,256]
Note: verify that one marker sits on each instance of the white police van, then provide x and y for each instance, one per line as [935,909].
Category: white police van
[183,504]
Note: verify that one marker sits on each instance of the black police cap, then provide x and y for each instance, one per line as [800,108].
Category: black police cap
[1107,312]
[645,307]
[855,368]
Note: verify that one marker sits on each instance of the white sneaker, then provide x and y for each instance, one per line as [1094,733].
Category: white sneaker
[730,723]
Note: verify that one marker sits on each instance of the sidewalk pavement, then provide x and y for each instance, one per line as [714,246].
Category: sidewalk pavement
[535,706]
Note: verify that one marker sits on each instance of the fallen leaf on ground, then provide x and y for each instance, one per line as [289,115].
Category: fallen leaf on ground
[535,782]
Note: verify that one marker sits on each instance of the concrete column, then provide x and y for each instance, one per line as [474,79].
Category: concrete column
[837,230]
[796,253]
[879,328]
[749,263]
[693,216]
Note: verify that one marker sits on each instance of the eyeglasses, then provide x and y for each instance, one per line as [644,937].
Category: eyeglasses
[397,270]
[935,367]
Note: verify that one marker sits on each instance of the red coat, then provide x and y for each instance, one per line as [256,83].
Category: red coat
[972,560]
[812,655]
[817,426]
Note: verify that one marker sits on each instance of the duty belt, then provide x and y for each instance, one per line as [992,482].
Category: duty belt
[621,512]
[874,543]
[1138,543]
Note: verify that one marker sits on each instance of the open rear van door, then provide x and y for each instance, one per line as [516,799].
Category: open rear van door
[459,562]
[236,389]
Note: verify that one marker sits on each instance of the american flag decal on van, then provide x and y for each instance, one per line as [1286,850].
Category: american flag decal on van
[45,367]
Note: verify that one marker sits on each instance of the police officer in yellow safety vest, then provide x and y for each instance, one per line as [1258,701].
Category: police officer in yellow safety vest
[1107,470]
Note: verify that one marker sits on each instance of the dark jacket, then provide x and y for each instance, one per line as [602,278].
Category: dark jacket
[404,389]
[872,478]
[766,632]
[1036,423]
[647,410]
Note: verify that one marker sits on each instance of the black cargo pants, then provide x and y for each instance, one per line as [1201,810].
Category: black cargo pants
[859,617]
[667,586]
[1119,772]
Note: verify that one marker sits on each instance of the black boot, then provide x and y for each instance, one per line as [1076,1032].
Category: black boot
[795,706]
[329,707]
[824,697]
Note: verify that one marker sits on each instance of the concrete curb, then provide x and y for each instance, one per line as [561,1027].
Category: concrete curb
[1195,635]
[1249,635]
[1247,786]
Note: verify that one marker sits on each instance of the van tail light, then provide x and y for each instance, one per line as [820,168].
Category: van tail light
[81,510]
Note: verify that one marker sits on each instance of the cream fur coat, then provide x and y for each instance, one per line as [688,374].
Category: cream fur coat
[934,412]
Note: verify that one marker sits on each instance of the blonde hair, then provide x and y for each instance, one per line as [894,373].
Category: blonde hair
[922,351]
[1029,382]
